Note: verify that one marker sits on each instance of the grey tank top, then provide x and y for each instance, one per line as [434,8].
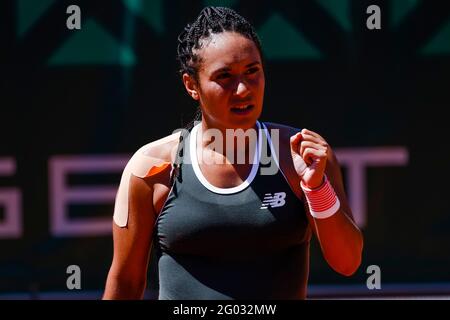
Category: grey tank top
[246,242]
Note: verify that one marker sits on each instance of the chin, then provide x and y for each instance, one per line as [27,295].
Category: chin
[246,123]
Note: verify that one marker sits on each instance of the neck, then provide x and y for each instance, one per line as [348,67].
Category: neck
[236,145]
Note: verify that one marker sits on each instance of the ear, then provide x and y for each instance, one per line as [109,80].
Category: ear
[191,86]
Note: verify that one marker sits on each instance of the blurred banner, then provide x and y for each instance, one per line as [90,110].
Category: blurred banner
[76,103]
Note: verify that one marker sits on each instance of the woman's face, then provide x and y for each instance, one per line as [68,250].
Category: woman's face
[230,84]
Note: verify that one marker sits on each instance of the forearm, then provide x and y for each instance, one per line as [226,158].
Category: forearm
[120,288]
[341,242]
[323,189]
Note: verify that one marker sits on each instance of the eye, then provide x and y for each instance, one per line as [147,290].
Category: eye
[224,75]
[252,70]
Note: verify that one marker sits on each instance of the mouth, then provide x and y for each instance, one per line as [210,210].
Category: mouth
[242,110]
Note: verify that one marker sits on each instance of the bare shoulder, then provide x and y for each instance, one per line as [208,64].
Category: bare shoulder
[284,134]
[332,169]
[152,154]
[163,148]
[150,165]
[285,131]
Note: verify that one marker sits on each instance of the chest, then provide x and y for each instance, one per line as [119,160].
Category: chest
[264,218]
[225,175]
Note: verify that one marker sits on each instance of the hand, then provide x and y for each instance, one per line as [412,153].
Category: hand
[309,153]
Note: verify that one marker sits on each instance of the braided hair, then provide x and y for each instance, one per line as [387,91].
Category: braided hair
[210,20]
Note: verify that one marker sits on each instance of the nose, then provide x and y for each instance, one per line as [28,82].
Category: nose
[242,89]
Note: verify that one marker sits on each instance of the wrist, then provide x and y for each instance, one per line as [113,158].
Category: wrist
[312,187]
[322,201]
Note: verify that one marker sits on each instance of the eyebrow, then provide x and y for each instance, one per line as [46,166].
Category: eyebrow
[225,69]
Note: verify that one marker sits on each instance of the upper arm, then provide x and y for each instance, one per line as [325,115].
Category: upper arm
[150,159]
[132,242]
[134,210]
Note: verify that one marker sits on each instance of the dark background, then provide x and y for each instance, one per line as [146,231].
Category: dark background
[113,86]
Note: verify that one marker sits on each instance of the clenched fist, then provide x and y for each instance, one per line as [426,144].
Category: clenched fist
[309,153]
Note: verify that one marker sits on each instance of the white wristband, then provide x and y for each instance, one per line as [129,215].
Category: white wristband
[322,201]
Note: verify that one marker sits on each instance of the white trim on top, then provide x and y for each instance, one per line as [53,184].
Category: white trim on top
[274,156]
[272,150]
[201,177]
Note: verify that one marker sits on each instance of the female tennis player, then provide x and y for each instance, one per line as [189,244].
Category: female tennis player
[224,228]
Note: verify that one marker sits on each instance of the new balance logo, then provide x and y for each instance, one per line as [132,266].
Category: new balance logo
[273,201]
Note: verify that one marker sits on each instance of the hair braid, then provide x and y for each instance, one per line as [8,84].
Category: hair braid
[210,20]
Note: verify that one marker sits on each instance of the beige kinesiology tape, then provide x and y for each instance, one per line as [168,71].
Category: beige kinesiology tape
[141,165]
